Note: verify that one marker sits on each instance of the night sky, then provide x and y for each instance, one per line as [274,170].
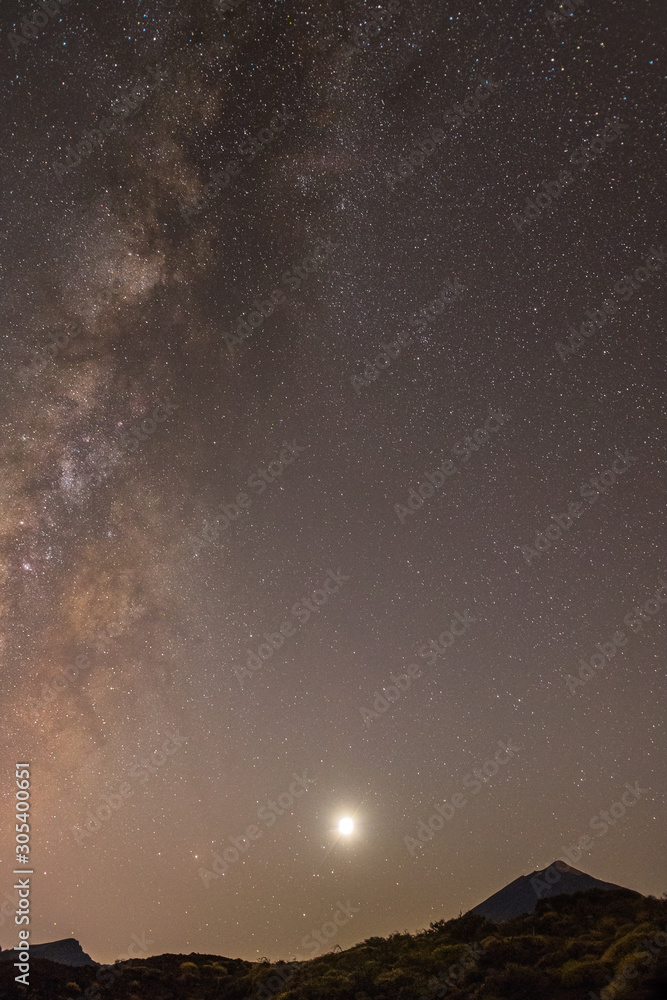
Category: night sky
[267,267]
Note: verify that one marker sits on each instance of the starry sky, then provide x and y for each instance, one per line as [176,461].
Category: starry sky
[214,216]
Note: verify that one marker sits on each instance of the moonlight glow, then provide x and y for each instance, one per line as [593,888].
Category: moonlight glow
[346,825]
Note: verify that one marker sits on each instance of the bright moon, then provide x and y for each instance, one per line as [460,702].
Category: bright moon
[346,825]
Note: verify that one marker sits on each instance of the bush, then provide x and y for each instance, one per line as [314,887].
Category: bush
[522,950]
[372,969]
[469,927]
[633,941]
[214,969]
[517,982]
[620,990]
[608,926]
[591,974]
[332,984]
[394,977]
[189,970]
[448,954]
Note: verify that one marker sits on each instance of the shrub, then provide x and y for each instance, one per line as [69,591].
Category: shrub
[517,982]
[215,969]
[575,948]
[522,950]
[372,969]
[624,984]
[608,926]
[331,984]
[469,927]
[448,954]
[630,942]
[394,977]
[591,974]
[189,970]
[620,990]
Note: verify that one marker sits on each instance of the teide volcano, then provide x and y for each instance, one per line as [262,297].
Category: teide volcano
[521,895]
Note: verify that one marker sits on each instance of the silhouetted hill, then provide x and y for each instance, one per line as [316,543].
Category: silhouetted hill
[65,952]
[569,947]
[521,895]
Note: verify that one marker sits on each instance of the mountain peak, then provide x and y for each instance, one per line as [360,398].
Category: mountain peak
[521,895]
[563,866]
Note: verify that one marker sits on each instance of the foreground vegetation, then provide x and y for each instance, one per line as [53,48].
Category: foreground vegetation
[594,944]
